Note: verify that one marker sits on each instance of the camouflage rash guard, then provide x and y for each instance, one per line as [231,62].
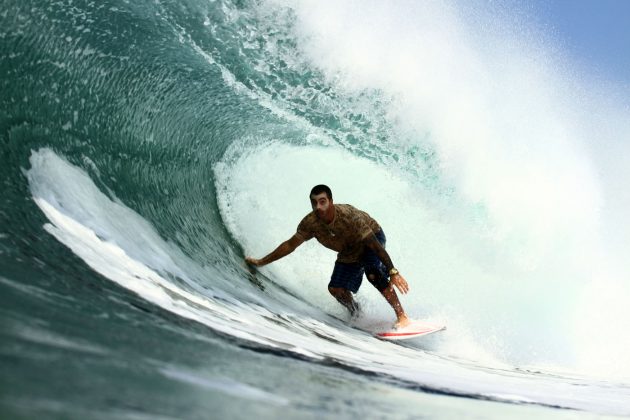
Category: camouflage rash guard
[344,235]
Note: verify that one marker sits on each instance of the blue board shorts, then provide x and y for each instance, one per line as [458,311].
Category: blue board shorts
[350,275]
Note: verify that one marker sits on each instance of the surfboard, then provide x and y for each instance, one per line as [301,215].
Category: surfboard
[413,330]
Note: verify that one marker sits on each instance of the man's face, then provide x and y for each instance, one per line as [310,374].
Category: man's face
[321,205]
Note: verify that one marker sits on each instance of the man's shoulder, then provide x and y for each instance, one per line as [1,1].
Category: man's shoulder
[356,217]
[307,226]
[346,208]
[309,220]
[349,210]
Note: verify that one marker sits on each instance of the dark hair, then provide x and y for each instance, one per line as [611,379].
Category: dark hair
[318,189]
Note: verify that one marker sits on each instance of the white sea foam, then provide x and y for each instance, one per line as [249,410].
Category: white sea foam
[486,302]
[524,140]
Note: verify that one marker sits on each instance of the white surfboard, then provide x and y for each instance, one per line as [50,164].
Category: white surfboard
[413,330]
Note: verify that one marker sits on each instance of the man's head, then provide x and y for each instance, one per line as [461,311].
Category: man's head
[322,202]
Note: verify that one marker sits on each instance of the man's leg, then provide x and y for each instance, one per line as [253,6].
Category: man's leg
[377,275]
[344,296]
[346,280]
[391,297]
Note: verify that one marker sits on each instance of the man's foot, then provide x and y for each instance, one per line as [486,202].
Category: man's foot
[344,296]
[402,322]
[355,310]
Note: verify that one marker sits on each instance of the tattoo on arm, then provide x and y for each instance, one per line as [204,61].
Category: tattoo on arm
[376,246]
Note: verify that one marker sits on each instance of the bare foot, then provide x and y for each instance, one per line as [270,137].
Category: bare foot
[252,261]
[402,322]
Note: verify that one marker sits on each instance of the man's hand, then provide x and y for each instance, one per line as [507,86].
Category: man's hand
[252,261]
[284,249]
[400,283]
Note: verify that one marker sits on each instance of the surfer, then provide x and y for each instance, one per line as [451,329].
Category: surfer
[360,243]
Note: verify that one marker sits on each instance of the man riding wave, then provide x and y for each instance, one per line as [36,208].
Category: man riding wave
[360,243]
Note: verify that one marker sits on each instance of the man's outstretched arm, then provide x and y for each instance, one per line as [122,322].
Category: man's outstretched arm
[397,280]
[284,249]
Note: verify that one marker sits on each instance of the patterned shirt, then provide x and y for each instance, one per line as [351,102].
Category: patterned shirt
[345,234]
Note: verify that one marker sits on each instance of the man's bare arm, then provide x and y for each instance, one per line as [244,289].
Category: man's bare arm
[397,279]
[378,249]
[284,249]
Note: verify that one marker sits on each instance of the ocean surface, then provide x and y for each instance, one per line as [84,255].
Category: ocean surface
[148,146]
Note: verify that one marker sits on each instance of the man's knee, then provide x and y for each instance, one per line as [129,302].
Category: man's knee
[377,280]
[373,277]
[337,291]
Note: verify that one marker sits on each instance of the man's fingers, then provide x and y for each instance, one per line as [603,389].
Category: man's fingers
[404,284]
[401,284]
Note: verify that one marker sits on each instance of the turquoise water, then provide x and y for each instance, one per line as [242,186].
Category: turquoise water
[148,146]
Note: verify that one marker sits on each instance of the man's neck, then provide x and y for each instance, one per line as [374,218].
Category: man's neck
[332,216]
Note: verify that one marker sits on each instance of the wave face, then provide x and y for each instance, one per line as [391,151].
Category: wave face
[147,147]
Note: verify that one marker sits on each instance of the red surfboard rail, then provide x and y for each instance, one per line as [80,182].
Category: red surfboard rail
[415,329]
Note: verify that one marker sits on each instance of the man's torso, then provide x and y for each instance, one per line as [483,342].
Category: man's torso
[345,234]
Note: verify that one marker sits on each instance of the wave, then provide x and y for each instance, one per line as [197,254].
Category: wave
[117,243]
[478,151]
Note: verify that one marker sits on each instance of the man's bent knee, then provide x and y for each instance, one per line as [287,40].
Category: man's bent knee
[378,281]
[338,292]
